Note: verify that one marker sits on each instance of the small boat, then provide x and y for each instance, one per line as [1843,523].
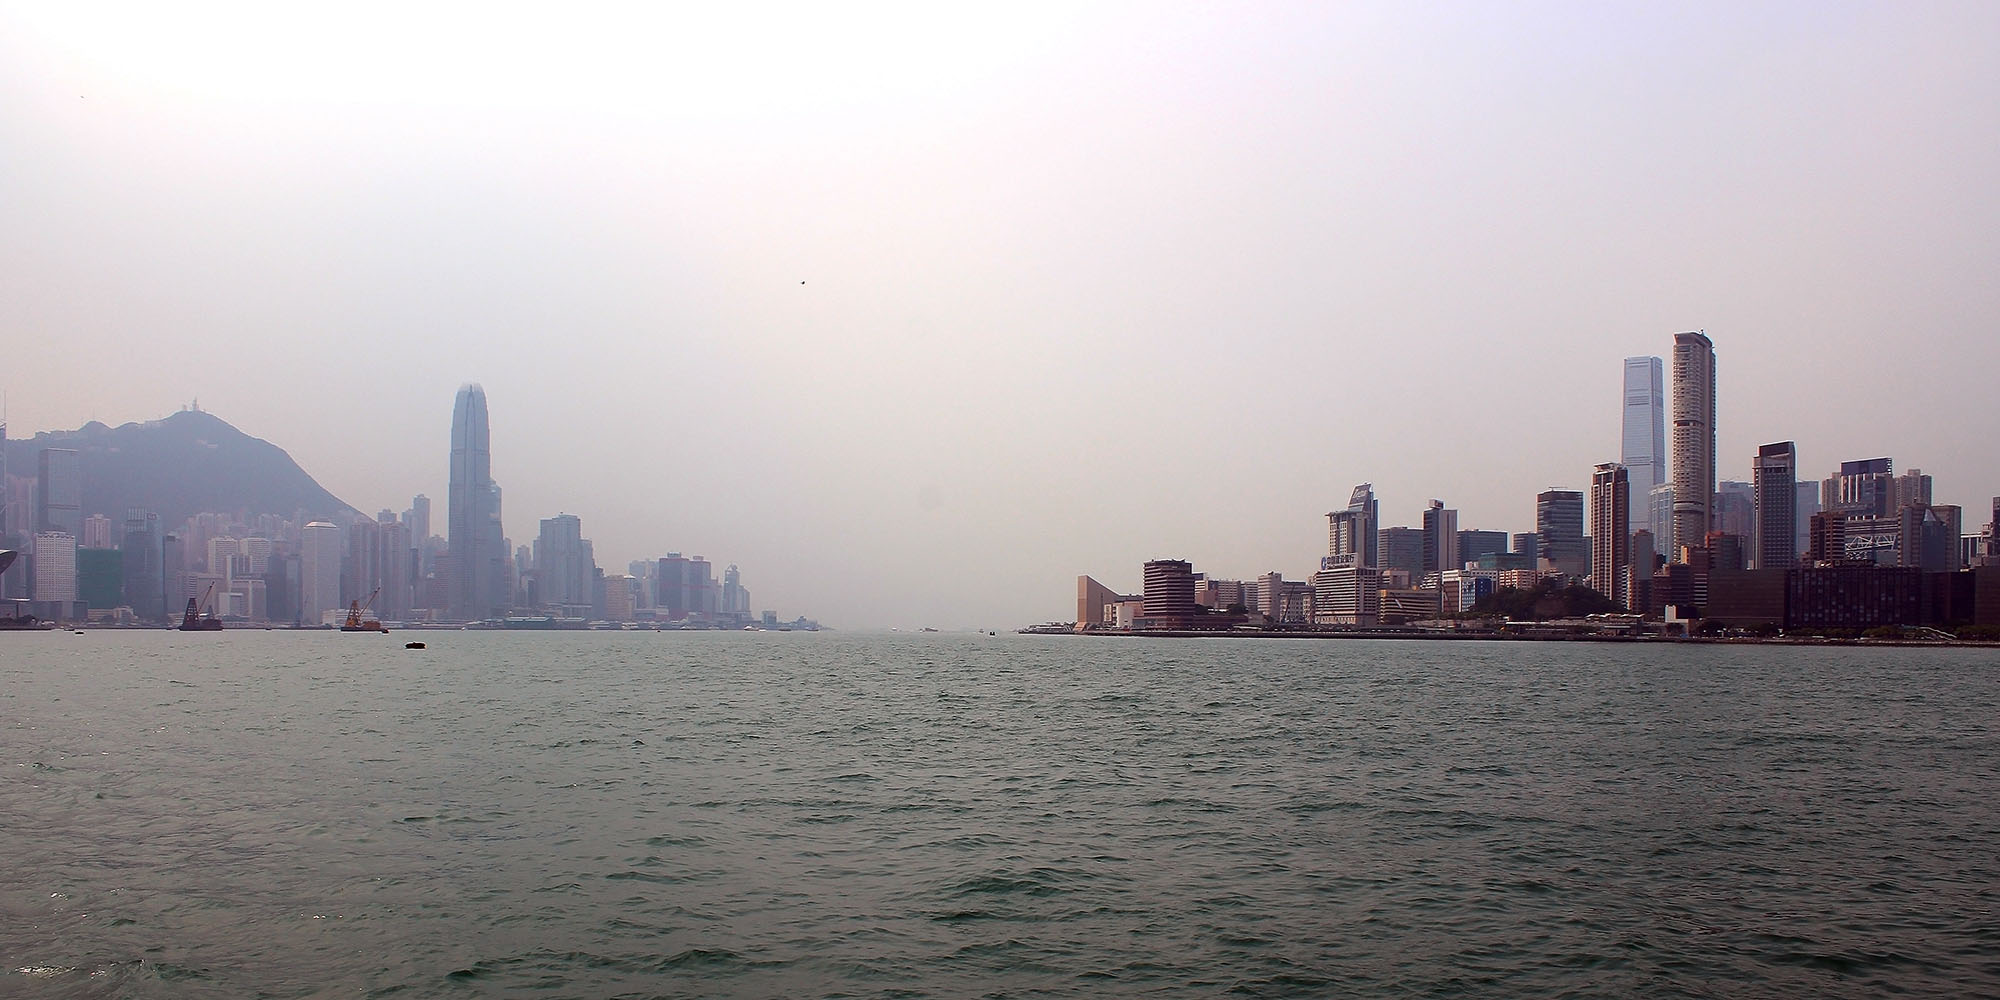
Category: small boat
[413,645]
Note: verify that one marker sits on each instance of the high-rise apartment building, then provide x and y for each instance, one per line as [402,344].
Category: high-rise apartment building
[1611,533]
[1559,531]
[59,493]
[478,547]
[1775,479]
[319,571]
[1694,436]
[1660,502]
[1643,445]
[1440,538]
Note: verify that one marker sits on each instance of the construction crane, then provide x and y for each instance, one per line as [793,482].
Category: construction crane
[355,623]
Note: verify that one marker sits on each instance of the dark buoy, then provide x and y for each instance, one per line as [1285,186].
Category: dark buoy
[413,645]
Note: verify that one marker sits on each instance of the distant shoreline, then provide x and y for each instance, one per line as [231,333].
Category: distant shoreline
[1503,637]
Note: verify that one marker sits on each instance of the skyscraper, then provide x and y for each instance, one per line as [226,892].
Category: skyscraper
[1694,436]
[1559,529]
[1611,533]
[478,547]
[59,498]
[564,564]
[1348,588]
[1643,445]
[1440,538]
[1775,479]
[319,571]
[145,585]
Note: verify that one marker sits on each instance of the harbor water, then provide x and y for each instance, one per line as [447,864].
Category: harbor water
[591,814]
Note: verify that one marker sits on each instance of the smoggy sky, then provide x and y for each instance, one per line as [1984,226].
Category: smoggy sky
[918,312]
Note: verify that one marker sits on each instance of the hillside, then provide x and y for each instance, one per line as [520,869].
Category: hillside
[187,463]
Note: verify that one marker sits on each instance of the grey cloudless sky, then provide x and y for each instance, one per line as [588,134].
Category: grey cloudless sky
[917,312]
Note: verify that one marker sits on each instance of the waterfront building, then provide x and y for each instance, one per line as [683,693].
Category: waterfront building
[1694,436]
[619,605]
[1460,589]
[1559,532]
[1927,537]
[59,493]
[1353,530]
[1169,595]
[1775,482]
[100,578]
[479,560]
[143,582]
[670,585]
[702,588]
[1347,589]
[563,563]
[1440,539]
[319,571]
[1643,444]
[54,571]
[1611,534]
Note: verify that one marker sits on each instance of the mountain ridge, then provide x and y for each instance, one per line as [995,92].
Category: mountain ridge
[179,465]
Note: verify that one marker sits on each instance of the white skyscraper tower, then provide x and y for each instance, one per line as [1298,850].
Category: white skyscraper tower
[1643,445]
[319,571]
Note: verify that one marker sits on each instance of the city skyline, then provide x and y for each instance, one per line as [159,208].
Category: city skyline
[858,331]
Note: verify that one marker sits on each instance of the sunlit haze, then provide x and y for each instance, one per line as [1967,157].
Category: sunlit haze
[916,313]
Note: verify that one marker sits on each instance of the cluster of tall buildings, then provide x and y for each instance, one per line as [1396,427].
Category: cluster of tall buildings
[1655,533]
[310,570]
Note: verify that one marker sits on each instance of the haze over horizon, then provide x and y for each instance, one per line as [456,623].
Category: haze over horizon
[918,313]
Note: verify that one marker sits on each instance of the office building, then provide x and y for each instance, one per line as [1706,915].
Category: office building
[1353,530]
[1347,589]
[1866,488]
[1928,537]
[319,571]
[1475,544]
[482,587]
[59,493]
[670,585]
[1440,539]
[1774,478]
[1661,503]
[1694,436]
[1643,445]
[1528,545]
[1734,511]
[1804,507]
[1911,489]
[1401,550]
[1611,534]
[144,582]
[565,567]
[54,566]
[1169,595]
[1559,532]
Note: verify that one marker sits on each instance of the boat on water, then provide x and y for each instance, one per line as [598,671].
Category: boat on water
[356,623]
[194,619]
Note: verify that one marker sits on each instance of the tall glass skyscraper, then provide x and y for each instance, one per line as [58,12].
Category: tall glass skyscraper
[478,548]
[1643,445]
[1694,437]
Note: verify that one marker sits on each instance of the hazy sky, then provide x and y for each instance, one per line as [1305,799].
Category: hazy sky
[917,312]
